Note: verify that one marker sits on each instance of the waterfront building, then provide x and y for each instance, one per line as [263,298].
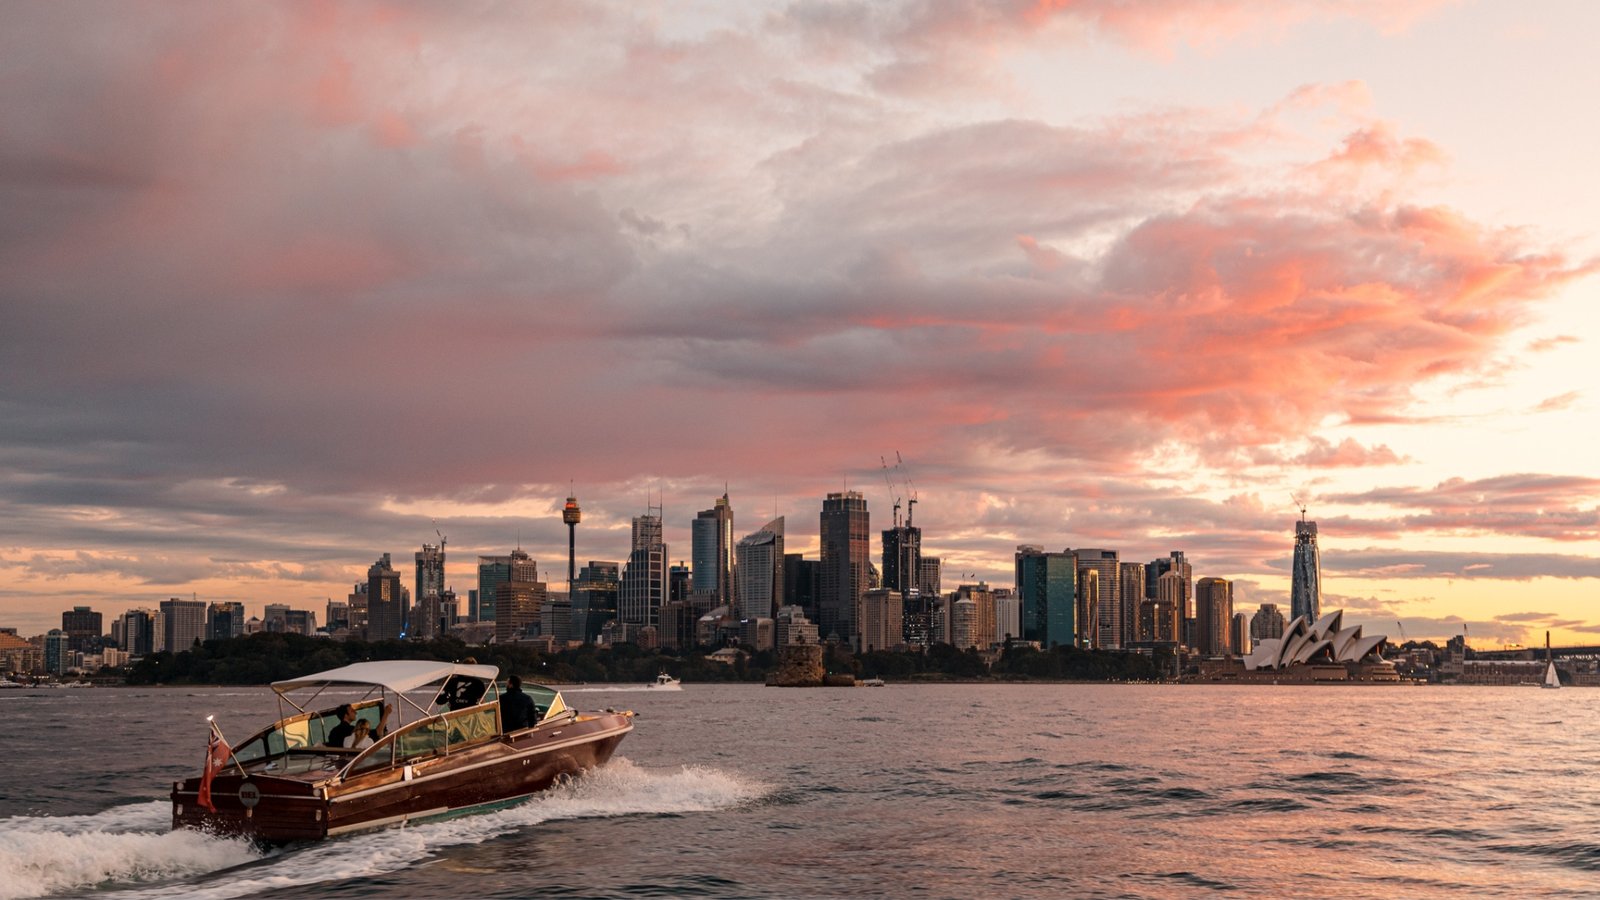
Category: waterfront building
[493,571]
[1047,587]
[387,601]
[1268,622]
[1213,609]
[82,626]
[643,590]
[1088,608]
[57,652]
[880,620]
[1109,618]
[1305,587]
[1324,641]
[711,551]
[1131,593]
[1159,622]
[846,546]
[183,622]
[225,620]
[594,599]
[759,564]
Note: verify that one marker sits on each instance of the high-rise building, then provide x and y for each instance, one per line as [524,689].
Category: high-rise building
[224,620]
[57,651]
[519,600]
[430,574]
[1305,587]
[183,623]
[138,631]
[337,615]
[386,601]
[1213,609]
[1160,621]
[1109,618]
[493,571]
[1088,611]
[82,626]
[972,617]
[644,580]
[846,546]
[1239,634]
[902,558]
[594,599]
[1132,588]
[802,582]
[1174,562]
[1172,596]
[1267,623]
[760,561]
[1047,587]
[711,551]
[879,619]
[1007,616]
[929,578]
[274,617]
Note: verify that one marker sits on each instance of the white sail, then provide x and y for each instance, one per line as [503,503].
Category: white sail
[1551,679]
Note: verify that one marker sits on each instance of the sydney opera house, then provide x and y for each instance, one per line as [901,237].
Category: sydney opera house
[1311,653]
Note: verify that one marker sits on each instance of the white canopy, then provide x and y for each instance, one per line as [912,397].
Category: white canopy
[398,675]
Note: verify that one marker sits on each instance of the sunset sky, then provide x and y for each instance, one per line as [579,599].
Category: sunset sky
[284,285]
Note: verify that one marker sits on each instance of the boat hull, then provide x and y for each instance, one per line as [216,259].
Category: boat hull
[282,809]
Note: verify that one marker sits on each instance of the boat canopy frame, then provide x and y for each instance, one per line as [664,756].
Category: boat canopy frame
[392,675]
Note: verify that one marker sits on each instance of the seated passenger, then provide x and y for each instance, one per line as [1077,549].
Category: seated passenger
[339,735]
[517,710]
[361,737]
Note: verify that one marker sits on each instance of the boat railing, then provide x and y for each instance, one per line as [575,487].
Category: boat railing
[436,735]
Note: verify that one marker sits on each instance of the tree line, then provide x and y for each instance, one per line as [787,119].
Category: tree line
[256,659]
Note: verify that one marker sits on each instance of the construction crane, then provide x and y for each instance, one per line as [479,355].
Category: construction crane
[1300,506]
[441,535]
[1398,624]
[911,489]
[890,485]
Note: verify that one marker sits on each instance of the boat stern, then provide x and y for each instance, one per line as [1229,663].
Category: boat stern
[271,810]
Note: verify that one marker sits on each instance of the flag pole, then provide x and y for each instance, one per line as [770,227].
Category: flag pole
[217,730]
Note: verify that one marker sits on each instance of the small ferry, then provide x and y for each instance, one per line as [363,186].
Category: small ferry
[666,682]
[286,783]
[872,682]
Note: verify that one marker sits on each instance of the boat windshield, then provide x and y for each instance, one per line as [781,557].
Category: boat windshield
[308,729]
[438,735]
[547,701]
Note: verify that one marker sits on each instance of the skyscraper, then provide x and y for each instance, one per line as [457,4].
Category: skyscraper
[430,572]
[1213,612]
[1267,623]
[1131,594]
[183,623]
[1305,588]
[386,601]
[902,558]
[846,545]
[224,621]
[594,598]
[139,632]
[1047,586]
[711,551]
[82,628]
[929,576]
[644,579]
[519,599]
[878,619]
[493,571]
[1110,621]
[760,567]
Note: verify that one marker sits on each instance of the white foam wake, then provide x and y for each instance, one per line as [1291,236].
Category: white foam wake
[42,855]
[619,789]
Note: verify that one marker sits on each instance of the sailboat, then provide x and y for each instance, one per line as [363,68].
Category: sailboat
[1551,679]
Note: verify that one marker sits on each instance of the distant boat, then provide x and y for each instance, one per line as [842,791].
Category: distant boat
[1551,679]
[872,682]
[666,682]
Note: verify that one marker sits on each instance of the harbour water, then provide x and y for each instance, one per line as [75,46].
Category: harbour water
[1038,790]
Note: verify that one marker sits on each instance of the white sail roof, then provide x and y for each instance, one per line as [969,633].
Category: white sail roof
[399,675]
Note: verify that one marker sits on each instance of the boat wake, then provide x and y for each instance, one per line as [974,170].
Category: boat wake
[127,849]
[41,855]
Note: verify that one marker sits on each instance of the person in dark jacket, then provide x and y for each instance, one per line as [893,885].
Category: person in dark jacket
[517,710]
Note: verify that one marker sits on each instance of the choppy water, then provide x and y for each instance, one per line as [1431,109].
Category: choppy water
[936,791]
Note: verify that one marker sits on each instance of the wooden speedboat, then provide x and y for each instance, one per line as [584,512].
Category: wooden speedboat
[286,784]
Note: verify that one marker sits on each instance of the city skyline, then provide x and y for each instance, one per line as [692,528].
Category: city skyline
[289,288]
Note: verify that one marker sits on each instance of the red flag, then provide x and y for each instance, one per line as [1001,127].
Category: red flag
[217,754]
